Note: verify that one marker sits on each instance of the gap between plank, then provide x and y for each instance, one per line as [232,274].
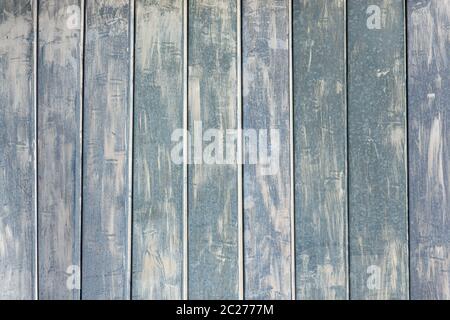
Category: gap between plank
[239,157]
[291,153]
[185,150]
[347,246]
[35,13]
[81,121]
[131,146]
[405,53]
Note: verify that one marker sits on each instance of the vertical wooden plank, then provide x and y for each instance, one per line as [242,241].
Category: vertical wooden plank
[17,151]
[59,148]
[266,109]
[429,157]
[320,137]
[212,187]
[377,150]
[106,189]
[158,180]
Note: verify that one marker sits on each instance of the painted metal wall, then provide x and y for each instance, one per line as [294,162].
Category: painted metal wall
[118,179]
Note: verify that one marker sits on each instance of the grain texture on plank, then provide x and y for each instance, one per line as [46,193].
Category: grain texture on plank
[320,138]
[267,209]
[158,181]
[59,148]
[429,142]
[106,189]
[17,151]
[212,186]
[377,150]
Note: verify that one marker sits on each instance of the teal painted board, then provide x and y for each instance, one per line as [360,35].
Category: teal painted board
[378,223]
[17,151]
[429,157]
[320,145]
[212,181]
[59,148]
[157,179]
[106,188]
[266,115]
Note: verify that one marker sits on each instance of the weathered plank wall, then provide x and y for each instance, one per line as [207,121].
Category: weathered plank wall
[267,189]
[158,182]
[320,137]
[59,147]
[429,157]
[95,100]
[17,150]
[378,220]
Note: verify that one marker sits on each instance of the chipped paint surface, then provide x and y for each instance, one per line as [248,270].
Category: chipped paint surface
[377,153]
[320,137]
[267,221]
[158,182]
[429,120]
[17,150]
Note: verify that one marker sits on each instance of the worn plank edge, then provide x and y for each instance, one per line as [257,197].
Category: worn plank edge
[35,12]
[291,154]
[131,38]
[185,281]
[405,71]
[347,160]
[81,133]
[239,156]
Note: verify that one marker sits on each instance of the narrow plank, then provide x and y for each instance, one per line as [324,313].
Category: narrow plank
[17,151]
[59,149]
[266,109]
[429,157]
[106,188]
[377,150]
[212,187]
[320,137]
[158,181]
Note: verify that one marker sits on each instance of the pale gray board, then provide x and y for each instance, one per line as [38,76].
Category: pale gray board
[212,189]
[158,181]
[266,105]
[59,148]
[377,152]
[17,151]
[320,138]
[429,157]
[106,148]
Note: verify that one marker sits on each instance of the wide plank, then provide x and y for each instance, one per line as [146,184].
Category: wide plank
[59,148]
[212,185]
[378,220]
[106,150]
[267,181]
[17,151]
[320,138]
[429,142]
[158,179]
